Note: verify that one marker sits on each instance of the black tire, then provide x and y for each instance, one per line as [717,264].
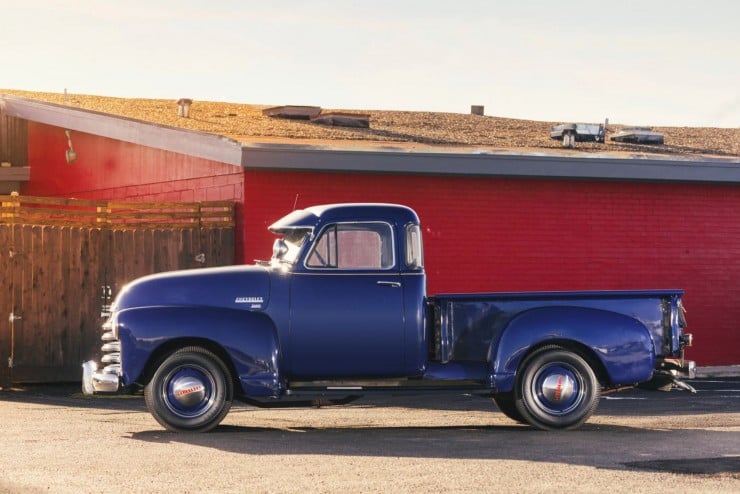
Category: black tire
[556,389]
[507,404]
[191,391]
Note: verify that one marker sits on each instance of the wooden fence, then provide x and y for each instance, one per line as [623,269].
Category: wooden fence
[112,214]
[62,261]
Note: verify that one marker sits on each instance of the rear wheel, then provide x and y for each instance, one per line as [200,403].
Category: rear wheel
[190,391]
[556,389]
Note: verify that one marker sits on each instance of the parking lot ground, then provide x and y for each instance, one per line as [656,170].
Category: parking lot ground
[53,439]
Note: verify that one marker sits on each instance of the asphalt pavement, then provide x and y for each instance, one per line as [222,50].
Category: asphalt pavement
[54,439]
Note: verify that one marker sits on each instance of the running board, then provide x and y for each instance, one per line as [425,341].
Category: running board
[384,386]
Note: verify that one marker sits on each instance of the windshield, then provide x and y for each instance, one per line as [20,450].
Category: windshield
[288,248]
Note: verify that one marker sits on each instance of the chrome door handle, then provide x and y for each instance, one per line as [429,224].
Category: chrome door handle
[393,284]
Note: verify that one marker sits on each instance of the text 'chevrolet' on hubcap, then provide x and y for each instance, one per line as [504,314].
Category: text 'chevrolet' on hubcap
[188,391]
[558,388]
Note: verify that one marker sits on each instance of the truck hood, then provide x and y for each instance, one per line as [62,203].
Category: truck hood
[236,287]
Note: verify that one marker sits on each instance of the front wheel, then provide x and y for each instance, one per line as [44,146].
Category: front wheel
[507,405]
[556,389]
[190,391]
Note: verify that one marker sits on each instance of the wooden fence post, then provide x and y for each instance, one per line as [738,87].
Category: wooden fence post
[10,209]
[103,213]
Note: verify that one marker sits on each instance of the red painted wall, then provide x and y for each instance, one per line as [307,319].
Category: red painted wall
[486,234]
[109,169]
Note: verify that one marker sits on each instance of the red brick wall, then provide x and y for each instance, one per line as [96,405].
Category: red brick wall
[484,234]
[115,170]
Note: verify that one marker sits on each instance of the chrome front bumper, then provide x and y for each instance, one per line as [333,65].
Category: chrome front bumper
[107,381]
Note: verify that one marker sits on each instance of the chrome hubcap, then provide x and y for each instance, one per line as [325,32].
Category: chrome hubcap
[558,388]
[188,391]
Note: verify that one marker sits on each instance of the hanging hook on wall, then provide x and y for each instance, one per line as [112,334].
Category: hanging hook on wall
[70,155]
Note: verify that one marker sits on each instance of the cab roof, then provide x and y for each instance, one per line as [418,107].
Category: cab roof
[312,217]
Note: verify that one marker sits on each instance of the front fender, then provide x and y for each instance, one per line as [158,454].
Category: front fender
[248,338]
[621,343]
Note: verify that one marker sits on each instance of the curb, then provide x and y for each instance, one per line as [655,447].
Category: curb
[718,371]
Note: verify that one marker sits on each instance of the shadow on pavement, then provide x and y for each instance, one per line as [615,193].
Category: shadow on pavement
[69,395]
[591,445]
[695,449]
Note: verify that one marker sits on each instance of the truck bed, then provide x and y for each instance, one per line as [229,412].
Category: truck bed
[465,324]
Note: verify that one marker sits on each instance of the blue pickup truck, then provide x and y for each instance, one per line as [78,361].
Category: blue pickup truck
[341,311]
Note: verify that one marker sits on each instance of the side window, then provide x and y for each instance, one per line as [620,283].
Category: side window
[354,246]
[324,254]
[414,252]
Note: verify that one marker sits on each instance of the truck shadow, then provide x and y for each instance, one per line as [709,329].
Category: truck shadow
[713,397]
[591,445]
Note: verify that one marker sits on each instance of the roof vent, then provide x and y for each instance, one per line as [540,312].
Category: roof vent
[296,112]
[343,119]
[638,135]
[183,107]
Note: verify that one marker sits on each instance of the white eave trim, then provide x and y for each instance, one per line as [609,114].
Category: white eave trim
[183,141]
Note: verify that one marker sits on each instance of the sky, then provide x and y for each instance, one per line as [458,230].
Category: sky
[650,62]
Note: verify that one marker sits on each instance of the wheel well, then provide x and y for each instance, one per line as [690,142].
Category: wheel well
[578,348]
[171,346]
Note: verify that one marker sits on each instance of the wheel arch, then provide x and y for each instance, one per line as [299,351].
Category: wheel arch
[619,348]
[583,351]
[246,342]
[171,346]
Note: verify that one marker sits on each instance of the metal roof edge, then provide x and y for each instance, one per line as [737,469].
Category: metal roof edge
[307,158]
[189,142]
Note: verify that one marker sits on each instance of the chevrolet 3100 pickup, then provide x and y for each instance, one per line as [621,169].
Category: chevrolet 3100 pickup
[341,311]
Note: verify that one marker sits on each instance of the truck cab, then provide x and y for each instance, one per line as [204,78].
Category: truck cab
[355,277]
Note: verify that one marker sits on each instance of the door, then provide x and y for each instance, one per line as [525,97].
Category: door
[347,306]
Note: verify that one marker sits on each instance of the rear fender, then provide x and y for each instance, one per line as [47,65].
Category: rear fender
[621,343]
[248,339]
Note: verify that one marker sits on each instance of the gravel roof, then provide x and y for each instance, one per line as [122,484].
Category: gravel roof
[246,123]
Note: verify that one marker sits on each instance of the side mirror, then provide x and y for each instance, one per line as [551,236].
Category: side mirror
[279,248]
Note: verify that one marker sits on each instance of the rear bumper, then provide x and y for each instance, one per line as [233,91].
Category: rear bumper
[669,374]
[678,368]
[94,381]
